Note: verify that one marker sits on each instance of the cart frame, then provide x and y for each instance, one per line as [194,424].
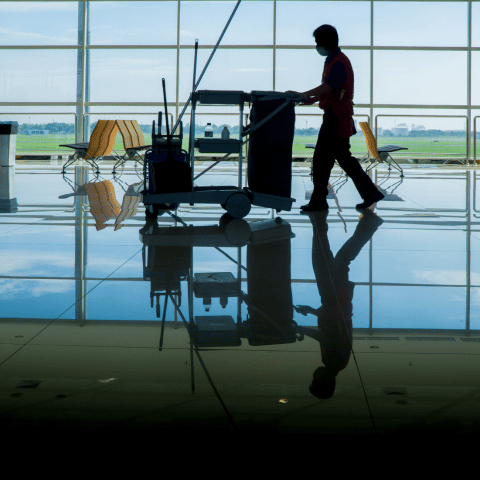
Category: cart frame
[236,200]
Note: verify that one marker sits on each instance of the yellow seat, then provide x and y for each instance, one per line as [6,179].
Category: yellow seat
[133,142]
[376,154]
[100,144]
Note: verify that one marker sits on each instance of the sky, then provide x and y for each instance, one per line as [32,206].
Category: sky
[134,75]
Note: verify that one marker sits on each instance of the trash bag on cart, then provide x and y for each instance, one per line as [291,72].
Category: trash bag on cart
[168,175]
[270,148]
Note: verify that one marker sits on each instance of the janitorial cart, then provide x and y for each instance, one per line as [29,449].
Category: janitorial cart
[169,170]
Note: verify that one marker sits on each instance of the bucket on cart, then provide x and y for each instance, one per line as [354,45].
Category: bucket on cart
[270,147]
[167,176]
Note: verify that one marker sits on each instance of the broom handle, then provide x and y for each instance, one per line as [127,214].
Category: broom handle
[205,68]
[166,118]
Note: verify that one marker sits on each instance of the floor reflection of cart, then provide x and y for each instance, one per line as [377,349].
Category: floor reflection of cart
[168,260]
[236,200]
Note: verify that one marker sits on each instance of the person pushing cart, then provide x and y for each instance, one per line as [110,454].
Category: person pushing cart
[335,96]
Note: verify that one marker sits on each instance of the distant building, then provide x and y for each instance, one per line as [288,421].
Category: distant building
[418,128]
[401,130]
[360,131]
[39,132]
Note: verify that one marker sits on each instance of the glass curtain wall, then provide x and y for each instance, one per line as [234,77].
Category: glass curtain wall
[69,63]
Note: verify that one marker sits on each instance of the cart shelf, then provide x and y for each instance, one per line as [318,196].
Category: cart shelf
[220,97]
[218,145]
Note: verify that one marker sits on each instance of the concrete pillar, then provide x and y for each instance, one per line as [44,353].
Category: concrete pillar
[8,147]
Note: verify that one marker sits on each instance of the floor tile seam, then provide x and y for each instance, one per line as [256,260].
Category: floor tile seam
[63,313]
[80,345]
[420,205]
[444,217]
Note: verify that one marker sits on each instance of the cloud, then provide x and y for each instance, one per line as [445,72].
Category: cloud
[252,69]
[186,33]
[451,277]
[12,288]
[35,36]
[17,262]
[29,7]
[446,277]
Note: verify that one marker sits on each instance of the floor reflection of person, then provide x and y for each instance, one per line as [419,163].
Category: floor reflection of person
[336,292]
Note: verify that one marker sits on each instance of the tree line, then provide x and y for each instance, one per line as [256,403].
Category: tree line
[69,128]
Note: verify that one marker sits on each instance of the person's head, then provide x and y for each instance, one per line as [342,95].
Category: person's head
[326,37]
[323,383]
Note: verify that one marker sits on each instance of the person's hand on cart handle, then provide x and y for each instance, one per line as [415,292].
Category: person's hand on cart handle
[304,309]
[307,100]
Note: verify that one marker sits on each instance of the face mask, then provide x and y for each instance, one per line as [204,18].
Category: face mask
[321,51]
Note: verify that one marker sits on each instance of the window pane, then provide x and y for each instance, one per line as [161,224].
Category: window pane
[252,23]
[230,69]
[476,113]
[41,129]
[38,23]
[428,24]
[431,83]
[476,24]
[296,21]
[475,77]
[415,119]
[38,75]
[418,311]
[132,75]
[301,70]
[427,133]
[133,23]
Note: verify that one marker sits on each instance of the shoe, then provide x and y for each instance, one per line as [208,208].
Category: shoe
[314,208]
[370,218]
[376,197]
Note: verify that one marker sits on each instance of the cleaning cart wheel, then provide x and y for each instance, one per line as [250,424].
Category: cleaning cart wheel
[151,212]
[238,205]
[237,231]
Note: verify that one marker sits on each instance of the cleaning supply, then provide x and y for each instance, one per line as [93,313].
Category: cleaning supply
[209,130]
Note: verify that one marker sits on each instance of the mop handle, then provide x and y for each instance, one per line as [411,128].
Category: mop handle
[166,120]
[205,68]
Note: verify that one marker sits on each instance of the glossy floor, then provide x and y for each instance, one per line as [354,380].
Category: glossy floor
[325,324]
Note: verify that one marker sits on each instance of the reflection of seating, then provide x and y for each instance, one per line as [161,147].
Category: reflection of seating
[103,202]
[104,205]
[130,203]
[376,154]
[133,141]
[101,143]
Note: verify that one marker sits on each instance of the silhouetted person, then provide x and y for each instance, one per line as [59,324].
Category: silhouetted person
[336,293]
[335,97]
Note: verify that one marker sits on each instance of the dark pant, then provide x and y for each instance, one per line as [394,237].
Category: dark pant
[330,147]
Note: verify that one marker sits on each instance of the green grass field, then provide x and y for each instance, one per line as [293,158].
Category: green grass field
[417,147]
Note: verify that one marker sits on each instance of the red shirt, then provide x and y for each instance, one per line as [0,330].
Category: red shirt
[340,102]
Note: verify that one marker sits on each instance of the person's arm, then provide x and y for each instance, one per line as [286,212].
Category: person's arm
[313,95]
